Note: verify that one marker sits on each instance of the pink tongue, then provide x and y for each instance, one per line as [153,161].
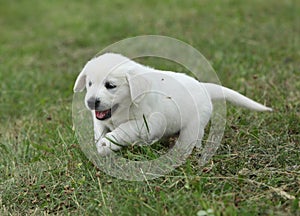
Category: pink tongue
[101,114]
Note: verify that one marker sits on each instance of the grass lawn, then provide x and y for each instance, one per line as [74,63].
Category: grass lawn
[253,46]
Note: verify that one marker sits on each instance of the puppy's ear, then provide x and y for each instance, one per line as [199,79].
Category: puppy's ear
[80,82]
[139,85]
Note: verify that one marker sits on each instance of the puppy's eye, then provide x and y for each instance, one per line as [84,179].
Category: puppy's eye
[90,83]
[109,85]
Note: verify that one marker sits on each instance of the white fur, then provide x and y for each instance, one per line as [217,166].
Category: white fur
[150,103]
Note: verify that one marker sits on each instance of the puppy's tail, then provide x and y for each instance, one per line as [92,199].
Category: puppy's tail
[217,92]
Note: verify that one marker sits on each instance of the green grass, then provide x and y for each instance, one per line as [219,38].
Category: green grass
[253,46]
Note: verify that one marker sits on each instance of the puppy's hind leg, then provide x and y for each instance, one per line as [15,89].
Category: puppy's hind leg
[191,135]
[184,145]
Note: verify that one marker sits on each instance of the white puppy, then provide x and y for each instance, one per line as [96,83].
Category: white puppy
[132,103]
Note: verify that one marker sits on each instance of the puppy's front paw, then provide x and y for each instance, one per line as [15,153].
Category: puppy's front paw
[105,146]
[102,148]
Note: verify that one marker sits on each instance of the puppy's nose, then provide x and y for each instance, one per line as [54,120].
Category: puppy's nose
[93,103]
[97,102]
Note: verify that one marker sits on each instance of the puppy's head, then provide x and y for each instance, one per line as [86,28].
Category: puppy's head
[112,83]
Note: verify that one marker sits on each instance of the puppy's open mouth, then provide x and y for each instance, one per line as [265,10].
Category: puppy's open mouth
[105,114]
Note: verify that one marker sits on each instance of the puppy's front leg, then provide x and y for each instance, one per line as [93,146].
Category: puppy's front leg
[132,131]
[100,131]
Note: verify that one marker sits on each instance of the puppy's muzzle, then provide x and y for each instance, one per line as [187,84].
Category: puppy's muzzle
[101,113]
[93,103]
